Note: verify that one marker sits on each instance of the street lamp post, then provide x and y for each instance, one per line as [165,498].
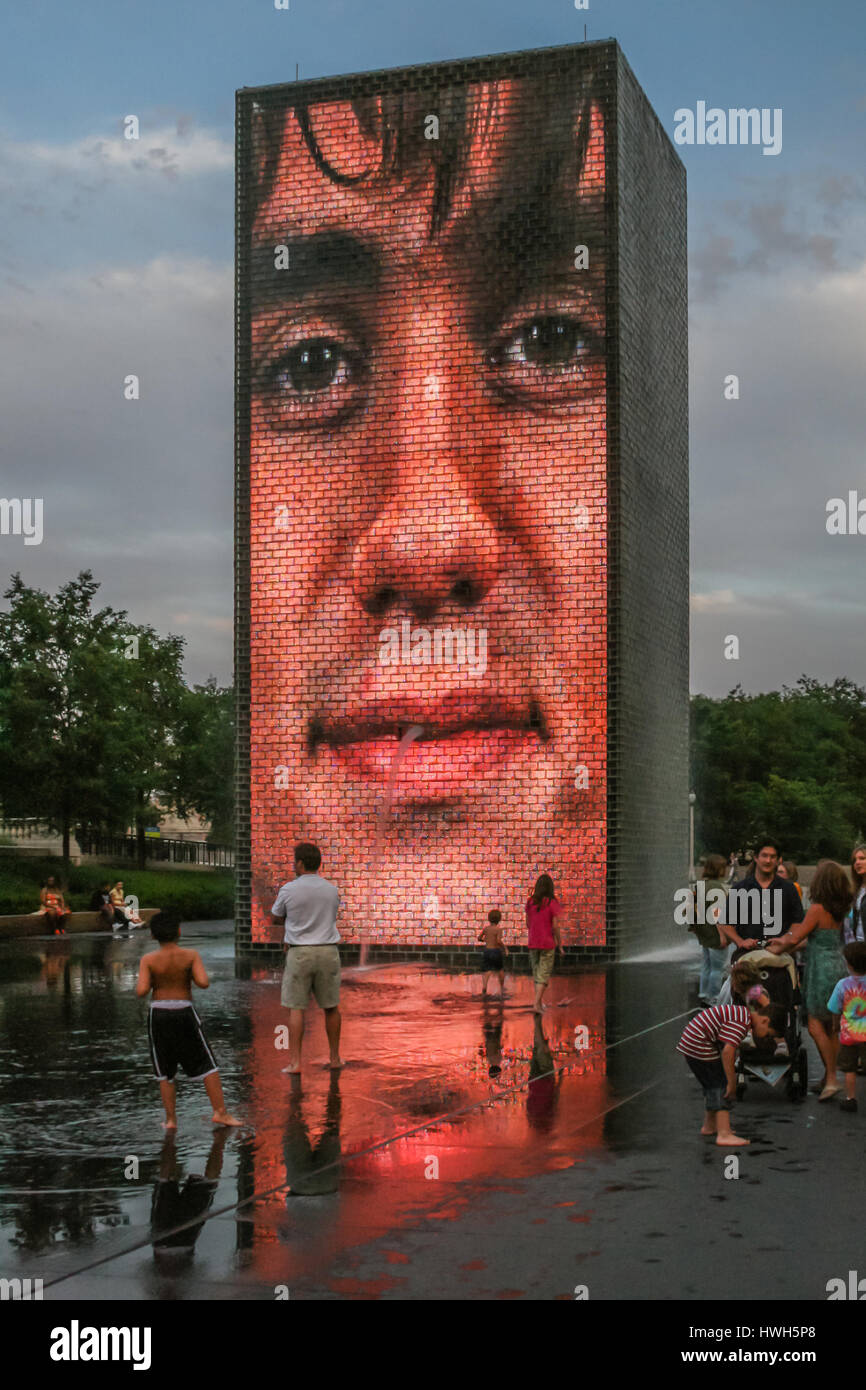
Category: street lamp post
[692,800]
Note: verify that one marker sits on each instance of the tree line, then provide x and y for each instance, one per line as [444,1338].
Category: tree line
[99,731]
[789,763]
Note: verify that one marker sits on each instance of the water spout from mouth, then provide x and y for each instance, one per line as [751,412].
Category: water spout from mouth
[382,819]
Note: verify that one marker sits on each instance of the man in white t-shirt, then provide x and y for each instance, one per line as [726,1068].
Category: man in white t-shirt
[307,908]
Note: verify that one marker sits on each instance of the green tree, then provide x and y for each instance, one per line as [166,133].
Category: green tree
[59,662]
[148,698]
[202,766]
[90,705]
[790,763]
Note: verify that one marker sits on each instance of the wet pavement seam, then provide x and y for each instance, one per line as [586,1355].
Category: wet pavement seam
[631,1037]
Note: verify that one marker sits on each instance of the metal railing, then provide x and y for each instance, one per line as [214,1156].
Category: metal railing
[25,828]
[159,849]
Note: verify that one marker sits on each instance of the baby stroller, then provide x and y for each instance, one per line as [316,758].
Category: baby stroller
[771,1059]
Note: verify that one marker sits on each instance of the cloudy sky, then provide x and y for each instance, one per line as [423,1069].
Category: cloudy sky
[116,258]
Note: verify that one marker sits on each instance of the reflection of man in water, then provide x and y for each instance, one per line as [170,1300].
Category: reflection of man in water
[174,1206]
[428,454]
[312,1169]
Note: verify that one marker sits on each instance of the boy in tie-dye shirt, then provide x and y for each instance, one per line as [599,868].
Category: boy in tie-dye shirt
[849,1000]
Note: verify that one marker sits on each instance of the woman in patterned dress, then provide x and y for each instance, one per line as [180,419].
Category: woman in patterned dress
[820,931]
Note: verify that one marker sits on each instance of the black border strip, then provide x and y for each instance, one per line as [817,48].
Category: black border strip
[243,840]
[613,444]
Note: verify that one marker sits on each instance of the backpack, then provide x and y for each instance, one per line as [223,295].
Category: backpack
[707,931]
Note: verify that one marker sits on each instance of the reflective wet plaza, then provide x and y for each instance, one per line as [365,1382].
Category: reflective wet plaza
[466,1150]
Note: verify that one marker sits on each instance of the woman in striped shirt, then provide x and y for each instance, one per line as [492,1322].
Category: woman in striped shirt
[709,1044]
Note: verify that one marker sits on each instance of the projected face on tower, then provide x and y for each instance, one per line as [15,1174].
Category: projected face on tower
[428,504]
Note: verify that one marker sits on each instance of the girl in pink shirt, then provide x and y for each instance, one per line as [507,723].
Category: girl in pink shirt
[542,909]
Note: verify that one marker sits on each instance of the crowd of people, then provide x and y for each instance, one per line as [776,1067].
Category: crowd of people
[306,910]
[773,930]
[822,945]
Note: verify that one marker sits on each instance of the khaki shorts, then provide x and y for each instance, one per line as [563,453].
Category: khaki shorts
[542,965]
[315,968]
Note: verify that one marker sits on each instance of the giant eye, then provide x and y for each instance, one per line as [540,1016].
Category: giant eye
[550,359]
[307,379]
[313,365]
[546,343]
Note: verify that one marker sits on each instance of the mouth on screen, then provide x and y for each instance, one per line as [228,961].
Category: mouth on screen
[463,740]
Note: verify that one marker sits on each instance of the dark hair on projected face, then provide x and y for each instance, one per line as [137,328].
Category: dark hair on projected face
[469,114]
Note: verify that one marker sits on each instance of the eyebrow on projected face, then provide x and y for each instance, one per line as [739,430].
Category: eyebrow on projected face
[334,266]
[489,244]
[324,262]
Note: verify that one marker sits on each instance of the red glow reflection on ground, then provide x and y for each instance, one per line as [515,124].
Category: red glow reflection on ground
[418,1045]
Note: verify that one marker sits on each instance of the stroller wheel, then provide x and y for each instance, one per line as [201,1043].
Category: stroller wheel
[798,1087]
[803,1072]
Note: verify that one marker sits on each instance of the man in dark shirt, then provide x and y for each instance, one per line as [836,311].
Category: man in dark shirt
[101,902]
[765,905]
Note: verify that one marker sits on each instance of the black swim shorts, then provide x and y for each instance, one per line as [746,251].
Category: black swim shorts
[176,1039]
[492,959]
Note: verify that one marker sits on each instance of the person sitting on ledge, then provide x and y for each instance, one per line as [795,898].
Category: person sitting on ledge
[124,916]
[54,906]
[100,902]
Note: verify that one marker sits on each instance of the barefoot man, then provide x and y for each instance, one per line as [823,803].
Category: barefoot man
[307,907]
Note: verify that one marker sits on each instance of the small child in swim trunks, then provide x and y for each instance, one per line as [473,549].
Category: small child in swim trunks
[173,1026]
[495,951]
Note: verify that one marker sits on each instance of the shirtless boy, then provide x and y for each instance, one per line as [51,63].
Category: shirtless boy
[495,949]
[173,1025]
